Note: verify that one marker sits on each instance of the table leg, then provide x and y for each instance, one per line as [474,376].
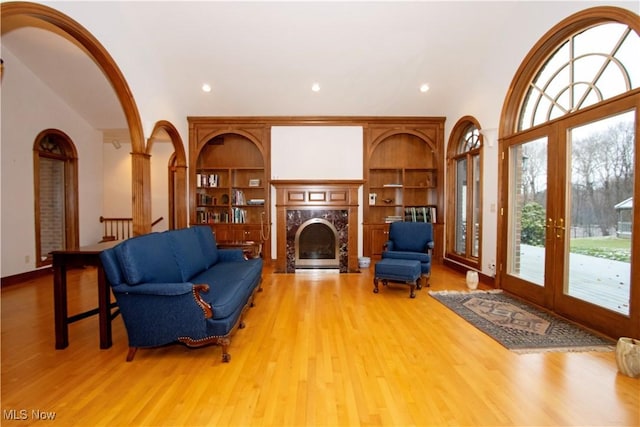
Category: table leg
[60,303]
[104,309]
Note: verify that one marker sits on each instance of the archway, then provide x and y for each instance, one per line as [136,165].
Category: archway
[177,165]
[141,211]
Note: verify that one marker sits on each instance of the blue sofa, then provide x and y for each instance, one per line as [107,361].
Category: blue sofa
[178,286]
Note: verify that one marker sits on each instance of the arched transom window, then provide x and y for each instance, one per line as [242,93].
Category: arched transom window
[592,65]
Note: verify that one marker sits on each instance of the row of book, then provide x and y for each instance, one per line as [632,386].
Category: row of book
[206,199]
[237,197]
[420,214]
[210,217]
[209,200]
[238,216]
[415,214]
[207,180]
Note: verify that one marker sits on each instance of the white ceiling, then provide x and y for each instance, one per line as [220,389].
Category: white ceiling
[261,58]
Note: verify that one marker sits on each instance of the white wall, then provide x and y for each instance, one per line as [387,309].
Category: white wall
[29,107]
[316,153]
[160,154]
[117,181]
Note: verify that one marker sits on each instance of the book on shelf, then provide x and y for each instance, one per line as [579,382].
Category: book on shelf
[211,217]
[206,199]
[237,197]
[392,218]
[239,216]
[255,202]
[420,214]
[206,180]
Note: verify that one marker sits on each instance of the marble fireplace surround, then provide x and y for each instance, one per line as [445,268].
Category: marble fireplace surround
[333,200]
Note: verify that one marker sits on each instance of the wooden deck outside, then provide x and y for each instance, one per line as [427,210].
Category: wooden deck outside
[600,281]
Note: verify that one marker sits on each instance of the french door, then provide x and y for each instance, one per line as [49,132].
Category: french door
[568,219]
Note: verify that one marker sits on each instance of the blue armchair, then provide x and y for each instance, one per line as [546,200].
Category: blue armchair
[412,241]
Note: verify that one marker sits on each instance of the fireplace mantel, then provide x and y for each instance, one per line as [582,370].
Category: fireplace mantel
[312,195]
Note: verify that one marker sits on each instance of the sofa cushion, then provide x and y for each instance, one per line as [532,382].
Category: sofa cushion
[109,260]
[410,236]
[148,259]
[207,243]
[230,284]
[418,256]
[187,251]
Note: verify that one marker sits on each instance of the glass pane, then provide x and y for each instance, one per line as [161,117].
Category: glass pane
[628,56]
[528,210]
[600,38]
[475,201]
[600,206]
[52,206]
[592,65]
[461,206]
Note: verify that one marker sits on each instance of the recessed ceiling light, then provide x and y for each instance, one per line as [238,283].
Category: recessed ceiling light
[315,87]
[424,88]
[206,87]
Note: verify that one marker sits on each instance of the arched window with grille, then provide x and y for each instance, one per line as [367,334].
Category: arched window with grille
[464,168]
[55,194]
[568,147]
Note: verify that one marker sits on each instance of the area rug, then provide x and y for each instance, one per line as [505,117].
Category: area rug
[519,326]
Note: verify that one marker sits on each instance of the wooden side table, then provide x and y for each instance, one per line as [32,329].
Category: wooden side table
[250,249]
[64,259]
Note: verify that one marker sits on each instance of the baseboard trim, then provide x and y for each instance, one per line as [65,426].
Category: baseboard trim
[487,280]
[24,277]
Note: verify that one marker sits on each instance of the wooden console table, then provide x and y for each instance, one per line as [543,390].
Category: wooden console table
[250,249]
[87,255]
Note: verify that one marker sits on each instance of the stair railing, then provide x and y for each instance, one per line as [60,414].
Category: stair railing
[120,228]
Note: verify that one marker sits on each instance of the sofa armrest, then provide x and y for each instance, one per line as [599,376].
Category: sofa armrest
[159,289]
[231,254]
[169,290]
[205,306]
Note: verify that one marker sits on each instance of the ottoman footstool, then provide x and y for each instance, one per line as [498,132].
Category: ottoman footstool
[398,270]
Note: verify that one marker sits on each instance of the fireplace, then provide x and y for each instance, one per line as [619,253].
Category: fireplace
[316,245]
[324,214]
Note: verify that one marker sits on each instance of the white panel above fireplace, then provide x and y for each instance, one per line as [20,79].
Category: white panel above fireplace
[316,152]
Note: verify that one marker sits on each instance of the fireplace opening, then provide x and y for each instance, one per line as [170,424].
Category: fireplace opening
[316,245]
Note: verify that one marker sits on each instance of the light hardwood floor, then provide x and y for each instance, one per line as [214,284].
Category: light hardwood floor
[318,349]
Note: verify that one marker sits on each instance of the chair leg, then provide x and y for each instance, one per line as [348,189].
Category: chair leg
[224,343]
[425,279]
[132,353]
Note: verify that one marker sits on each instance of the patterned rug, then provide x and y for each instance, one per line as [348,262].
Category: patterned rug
[519,326]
